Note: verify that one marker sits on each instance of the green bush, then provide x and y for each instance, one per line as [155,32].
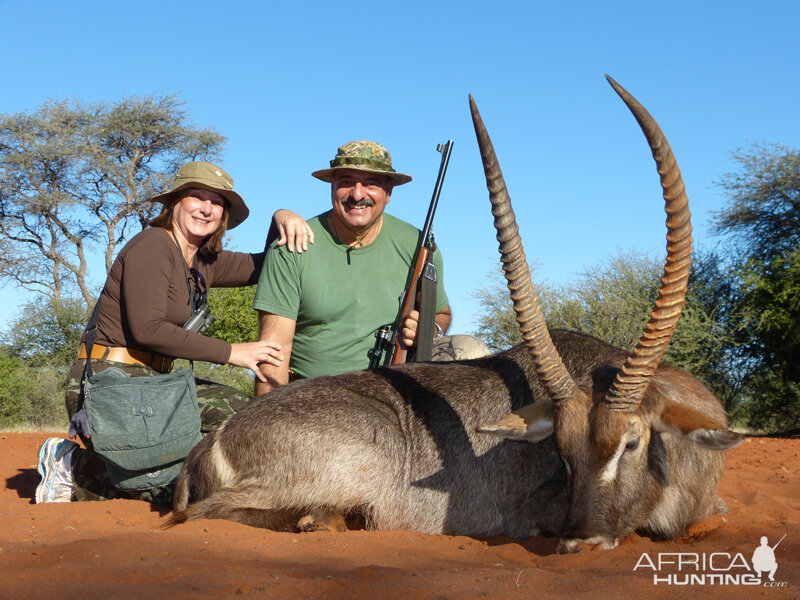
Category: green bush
[31,397]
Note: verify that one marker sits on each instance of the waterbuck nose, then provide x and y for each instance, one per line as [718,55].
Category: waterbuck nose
[573,545]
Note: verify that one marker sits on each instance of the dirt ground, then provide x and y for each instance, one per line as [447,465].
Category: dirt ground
[117,549]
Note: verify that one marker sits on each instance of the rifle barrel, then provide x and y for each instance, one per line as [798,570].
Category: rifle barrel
[445,149]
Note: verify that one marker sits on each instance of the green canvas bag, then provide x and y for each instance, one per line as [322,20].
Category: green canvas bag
[142,427]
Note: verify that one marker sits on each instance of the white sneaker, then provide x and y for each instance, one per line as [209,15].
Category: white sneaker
[55,467]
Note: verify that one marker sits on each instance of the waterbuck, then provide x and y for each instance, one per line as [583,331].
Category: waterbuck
[562,434]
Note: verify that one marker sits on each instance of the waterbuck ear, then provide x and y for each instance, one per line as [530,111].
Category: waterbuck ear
[696,426]
[531,423]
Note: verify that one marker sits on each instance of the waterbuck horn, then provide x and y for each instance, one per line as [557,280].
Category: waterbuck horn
[628,388]
[551,370]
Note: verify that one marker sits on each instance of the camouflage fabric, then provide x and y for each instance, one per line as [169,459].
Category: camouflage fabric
[363,155]
[90,480]
[217,402]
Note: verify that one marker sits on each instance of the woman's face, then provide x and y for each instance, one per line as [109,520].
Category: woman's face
[197,215]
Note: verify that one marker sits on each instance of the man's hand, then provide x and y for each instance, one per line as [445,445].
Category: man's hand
[408,333]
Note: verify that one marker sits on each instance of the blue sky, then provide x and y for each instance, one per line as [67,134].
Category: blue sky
[288,82]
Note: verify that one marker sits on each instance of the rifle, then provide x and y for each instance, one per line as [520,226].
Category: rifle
[421,274]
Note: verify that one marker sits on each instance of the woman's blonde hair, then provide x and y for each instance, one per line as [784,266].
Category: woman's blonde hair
[212,245]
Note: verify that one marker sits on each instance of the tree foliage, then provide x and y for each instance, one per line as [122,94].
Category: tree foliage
[37,349]
[73,174]
[75,179]
[761,225]
[30,396]
[237,322]
[762,217]
[613,302]
[47,333]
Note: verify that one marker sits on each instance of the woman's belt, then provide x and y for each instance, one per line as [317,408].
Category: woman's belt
[129,356]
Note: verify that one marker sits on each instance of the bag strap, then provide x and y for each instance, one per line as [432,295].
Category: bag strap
[427,313]
[91,336]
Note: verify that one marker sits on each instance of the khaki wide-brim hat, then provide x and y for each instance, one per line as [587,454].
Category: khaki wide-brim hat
[206,176]
[363,155]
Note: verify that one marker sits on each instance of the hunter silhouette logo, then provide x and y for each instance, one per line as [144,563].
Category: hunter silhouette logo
[713,568]
[764,558]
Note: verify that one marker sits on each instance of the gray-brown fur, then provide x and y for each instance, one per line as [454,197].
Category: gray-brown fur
[400,444]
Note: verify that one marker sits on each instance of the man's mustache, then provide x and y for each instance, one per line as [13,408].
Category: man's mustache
[358,203]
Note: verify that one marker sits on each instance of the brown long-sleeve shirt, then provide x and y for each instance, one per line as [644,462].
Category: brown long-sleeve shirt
[145,300]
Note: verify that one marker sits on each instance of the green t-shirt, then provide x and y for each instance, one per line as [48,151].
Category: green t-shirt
[340,296]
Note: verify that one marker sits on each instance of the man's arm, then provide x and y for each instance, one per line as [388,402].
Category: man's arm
[443,320]
[412,322]
[280,330]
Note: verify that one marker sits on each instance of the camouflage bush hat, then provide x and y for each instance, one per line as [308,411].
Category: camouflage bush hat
[206,176]
[363,155]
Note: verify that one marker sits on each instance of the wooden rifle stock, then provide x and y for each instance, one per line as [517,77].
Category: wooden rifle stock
[400,352]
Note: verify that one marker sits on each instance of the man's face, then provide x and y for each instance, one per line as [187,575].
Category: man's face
[359,197]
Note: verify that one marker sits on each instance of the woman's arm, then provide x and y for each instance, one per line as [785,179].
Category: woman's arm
[154,302]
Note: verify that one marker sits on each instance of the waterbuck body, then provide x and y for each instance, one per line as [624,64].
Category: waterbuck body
[399,445]
[562,434]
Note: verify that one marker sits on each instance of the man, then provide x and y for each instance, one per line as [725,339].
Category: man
[324,306]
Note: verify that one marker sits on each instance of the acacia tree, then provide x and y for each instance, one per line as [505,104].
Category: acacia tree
[761,224]
[73,174]
[47,333]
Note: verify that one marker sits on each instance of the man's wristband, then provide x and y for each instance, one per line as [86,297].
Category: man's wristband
[439,330]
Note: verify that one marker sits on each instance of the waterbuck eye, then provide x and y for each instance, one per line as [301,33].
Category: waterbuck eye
[632,445]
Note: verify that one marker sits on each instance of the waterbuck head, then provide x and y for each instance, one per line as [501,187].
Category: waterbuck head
[608,426]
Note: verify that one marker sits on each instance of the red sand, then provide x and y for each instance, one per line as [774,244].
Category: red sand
[118,550]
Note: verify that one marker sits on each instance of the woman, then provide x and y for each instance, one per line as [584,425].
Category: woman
[157,283]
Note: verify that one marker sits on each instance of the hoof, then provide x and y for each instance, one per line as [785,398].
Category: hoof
[322,520]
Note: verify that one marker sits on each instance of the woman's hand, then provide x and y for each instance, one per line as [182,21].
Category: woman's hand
[251,354]
[294,231]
